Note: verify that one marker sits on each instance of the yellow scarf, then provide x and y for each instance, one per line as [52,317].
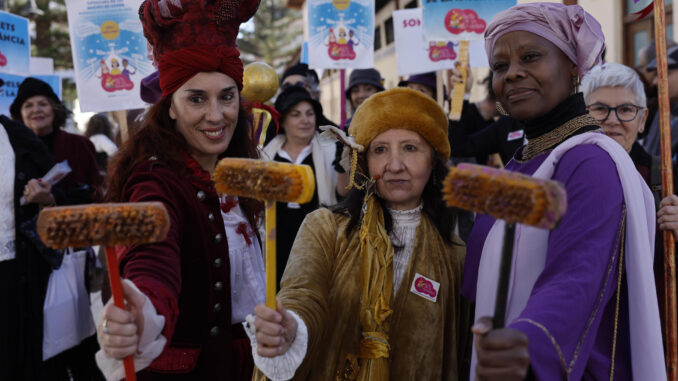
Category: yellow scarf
[376,294]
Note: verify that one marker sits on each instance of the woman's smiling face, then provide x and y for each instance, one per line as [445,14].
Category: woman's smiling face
[205,109]
[530,75]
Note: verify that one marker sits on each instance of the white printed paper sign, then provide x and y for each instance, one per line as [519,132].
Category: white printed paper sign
[415,55]
[109,53]
[341,34]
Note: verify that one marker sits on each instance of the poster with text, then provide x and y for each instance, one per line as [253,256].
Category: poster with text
[456,20]
[414,54]
[15,44]
[341,34]
[109,53]
[11,86]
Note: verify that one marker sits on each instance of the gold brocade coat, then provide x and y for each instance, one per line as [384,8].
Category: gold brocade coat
[429,340]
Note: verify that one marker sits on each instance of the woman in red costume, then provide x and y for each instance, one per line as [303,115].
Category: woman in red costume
[187,296]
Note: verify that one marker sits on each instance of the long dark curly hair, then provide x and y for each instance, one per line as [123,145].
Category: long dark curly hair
[159,137]
[443,217]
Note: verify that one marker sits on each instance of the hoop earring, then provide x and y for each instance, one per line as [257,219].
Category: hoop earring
[575,84]
[500,109]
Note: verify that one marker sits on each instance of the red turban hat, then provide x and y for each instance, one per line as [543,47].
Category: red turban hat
[193,36]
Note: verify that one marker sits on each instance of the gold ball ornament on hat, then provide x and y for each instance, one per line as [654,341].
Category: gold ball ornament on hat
[260,82]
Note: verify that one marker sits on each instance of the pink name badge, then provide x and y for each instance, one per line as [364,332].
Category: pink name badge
[425,287]
[515,135]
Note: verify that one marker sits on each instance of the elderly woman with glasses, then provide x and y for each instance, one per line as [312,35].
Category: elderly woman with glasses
[615,97]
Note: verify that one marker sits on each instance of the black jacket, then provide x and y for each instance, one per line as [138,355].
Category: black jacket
[23,280]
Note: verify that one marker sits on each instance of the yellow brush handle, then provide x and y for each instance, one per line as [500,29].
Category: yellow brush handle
[459,88]
[270,255]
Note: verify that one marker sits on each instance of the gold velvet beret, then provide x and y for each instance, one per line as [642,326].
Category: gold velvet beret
[401,108]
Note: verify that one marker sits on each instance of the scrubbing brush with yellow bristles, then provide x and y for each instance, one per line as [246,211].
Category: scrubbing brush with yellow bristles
[272,182]
[512,197]
[107,225]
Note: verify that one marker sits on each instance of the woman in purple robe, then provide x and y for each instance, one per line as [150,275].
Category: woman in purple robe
[571,288]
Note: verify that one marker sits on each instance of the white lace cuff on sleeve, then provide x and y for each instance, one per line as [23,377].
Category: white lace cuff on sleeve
[151,344]
[283,367]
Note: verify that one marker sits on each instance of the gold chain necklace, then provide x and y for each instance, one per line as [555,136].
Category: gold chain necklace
[540,144]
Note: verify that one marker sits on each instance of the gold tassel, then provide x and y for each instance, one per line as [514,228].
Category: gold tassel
[376,297]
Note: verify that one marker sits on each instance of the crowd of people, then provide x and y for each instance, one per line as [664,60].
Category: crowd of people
[378,279]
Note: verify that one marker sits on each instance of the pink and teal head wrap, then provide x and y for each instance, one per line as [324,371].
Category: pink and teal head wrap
[569,27]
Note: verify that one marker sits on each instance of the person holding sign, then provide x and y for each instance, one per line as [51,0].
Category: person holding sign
[582,301]
[388,248]
[38,107]
[188,295]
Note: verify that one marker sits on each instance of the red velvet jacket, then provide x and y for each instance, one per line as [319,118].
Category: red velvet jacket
[187,277]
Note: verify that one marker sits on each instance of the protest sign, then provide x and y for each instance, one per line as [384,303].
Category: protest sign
[15,44]
[11,86]
[415,55]
[456,20]
[341,34]
[109,53]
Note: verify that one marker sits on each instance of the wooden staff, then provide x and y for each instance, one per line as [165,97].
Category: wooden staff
[121,116]
[342,105]
[670,334]
[459,88]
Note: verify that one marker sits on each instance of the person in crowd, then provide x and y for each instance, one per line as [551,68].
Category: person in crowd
[100,132]
[300,75]
[647,54]
[615,97]
[651,140]
[371,289]
[187,295]
[299,143]
[425,83]
[582,299]
[362,83]
[38,107]
[481,131]
[24,270]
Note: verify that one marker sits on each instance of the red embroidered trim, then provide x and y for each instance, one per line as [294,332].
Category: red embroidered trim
[199,177]
[228,203]
[242,230]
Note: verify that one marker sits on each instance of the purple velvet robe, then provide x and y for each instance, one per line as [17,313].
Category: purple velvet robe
[571,309]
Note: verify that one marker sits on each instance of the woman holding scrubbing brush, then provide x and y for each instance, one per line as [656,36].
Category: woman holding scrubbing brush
[188,295]
[375,294]
[581,300]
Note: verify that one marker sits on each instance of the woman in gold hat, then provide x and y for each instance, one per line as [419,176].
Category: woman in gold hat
[371,289]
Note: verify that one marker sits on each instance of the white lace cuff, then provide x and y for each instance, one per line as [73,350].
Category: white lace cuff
[151,344]
[283,367]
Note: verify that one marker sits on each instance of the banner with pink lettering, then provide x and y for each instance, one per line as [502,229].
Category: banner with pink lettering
[456,20]
[414,54]
[109,53]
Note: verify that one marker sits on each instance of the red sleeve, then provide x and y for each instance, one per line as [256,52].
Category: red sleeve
[156,268]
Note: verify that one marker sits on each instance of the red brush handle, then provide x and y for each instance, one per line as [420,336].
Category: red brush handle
[116,289]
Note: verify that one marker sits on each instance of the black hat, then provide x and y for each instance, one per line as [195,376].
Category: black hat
[31,87]
[299,69]
[291,96]
[364,77]
[671,59]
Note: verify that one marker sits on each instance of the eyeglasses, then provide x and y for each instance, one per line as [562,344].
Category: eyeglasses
[625,112]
